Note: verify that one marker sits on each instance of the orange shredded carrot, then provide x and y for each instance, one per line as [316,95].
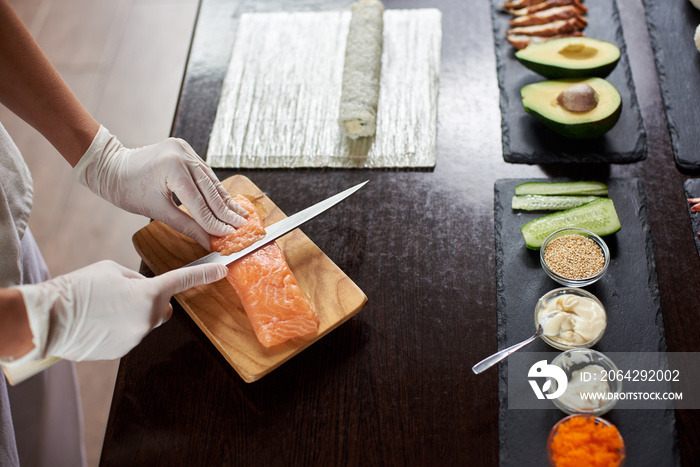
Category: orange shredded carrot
[581,442]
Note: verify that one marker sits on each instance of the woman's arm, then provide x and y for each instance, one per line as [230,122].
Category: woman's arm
[32,88]
[15,334]
[99,312]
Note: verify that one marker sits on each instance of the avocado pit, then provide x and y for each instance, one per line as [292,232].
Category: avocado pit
[578,98]
[540,100]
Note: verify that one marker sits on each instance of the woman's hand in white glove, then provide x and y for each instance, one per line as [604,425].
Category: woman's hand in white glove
[102,311]
[142,181]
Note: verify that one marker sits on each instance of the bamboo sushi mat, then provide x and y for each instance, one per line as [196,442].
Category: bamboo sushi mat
[281,94]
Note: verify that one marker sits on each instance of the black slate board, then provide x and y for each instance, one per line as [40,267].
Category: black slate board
[629,291]
[692,190]
[672,25]
[528,141]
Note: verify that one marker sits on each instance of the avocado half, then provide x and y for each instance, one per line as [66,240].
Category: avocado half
[540,100]
[570,57]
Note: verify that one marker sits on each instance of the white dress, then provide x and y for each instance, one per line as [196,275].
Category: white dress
[40,419]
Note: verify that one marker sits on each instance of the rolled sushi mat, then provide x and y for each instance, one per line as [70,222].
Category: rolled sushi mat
[692,190]
[281,95]
[634,324]
[528,141]
[672,27]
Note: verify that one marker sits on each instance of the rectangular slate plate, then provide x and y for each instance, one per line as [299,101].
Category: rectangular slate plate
[692,190]
[629,291]
[528,141]
[672,25]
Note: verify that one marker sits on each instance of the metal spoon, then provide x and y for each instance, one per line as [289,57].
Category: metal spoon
[488,362]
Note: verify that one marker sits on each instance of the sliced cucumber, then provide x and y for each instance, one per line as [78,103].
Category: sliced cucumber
[562,188]
[598,216]
[549,203]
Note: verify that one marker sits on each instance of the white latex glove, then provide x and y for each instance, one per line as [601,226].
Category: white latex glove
[102,311]
[142,181]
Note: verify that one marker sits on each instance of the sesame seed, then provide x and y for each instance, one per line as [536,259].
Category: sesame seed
[574,257]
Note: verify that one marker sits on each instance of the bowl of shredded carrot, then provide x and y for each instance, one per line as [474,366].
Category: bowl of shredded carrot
[585,441]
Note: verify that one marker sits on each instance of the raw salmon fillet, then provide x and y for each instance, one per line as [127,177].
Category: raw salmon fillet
[275,304]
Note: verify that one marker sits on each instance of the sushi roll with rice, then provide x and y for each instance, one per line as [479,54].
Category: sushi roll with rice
[363,59]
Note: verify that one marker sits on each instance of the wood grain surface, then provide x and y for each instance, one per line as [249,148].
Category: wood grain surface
[216,308]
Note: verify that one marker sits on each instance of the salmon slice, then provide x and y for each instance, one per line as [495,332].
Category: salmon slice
[520,4]
[520,41]
[529,10]
[547,16]
[271,296]
[564,26]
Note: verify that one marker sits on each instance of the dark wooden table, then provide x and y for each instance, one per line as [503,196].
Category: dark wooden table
[393,386]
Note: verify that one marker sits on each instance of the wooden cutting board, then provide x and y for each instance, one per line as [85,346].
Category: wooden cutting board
[216,308]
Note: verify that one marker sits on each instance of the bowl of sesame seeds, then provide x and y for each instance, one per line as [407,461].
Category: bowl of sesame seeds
[574,257]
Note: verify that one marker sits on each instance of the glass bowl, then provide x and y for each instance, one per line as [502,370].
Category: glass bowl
[553,432]
[570,281]
[583,377]
[553,295]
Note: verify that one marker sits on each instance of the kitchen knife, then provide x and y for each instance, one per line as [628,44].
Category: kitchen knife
[280,228]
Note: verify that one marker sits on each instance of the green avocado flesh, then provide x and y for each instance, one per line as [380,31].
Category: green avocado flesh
[540,100]
[570,57]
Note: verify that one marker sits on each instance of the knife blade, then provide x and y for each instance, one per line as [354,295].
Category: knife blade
[280,228]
